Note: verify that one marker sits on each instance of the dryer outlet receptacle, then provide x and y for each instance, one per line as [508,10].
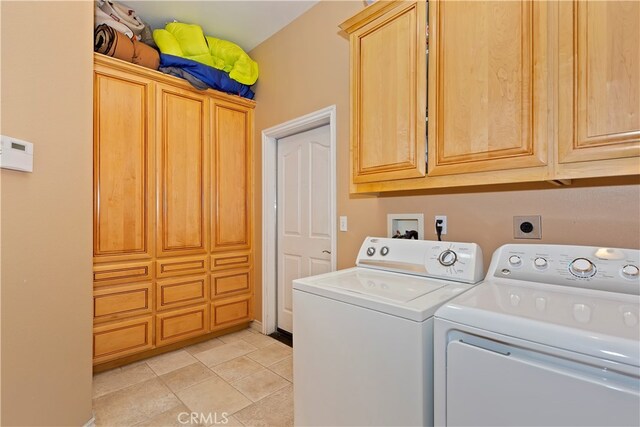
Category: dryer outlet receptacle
[527,227]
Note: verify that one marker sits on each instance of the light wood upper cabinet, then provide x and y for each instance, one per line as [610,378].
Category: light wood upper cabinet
[488,93]
[599,81]
[122,186]
[183,131]
[388,87]
[518,91]
[231,177]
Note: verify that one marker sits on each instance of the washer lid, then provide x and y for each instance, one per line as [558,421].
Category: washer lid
[393,287]
[598,323]
[412,297]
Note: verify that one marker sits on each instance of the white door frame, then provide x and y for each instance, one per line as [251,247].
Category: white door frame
[326,116]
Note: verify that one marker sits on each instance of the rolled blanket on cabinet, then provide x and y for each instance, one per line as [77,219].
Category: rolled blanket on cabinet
[110,42]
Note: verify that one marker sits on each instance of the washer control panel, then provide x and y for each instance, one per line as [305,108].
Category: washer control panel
[609,269]
[460,262]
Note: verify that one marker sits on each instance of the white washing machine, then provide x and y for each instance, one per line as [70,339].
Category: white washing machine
[551,337]
[362,351]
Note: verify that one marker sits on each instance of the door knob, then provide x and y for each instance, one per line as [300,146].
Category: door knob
[326,252]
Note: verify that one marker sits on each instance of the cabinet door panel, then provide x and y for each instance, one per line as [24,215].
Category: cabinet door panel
[230,282]
[121,167]
[121,301]
[388,108]
[226,261]
[177,325]
[231,178]
[171,293]
[168,267]
[115,340]
[488,108]
[230,311]
[111,274]
[182,172]
[599,105]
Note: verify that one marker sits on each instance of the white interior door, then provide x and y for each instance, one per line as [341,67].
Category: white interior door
[304,213]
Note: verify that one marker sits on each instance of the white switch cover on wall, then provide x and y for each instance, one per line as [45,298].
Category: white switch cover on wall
[343,223]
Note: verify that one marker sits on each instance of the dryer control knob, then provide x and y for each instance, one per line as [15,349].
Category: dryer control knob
[630,319]
[384,251]
[582,267]
[371,251]
[582,313]
[448,258]
[515,260]
[540,263]
[630,271]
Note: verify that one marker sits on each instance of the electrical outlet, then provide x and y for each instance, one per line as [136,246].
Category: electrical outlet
[527,227]
[442,218]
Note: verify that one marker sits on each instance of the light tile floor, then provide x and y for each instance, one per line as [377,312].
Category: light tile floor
[241,379]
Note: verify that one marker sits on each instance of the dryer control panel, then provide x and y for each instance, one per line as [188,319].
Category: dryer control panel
[456,261]
[608,269]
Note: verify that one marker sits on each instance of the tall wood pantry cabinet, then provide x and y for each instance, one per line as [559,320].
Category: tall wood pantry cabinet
[172,211]
[517,90]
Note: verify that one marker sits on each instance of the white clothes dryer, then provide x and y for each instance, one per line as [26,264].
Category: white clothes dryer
[550,338]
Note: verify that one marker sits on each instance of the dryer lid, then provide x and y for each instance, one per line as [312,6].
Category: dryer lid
[598,323]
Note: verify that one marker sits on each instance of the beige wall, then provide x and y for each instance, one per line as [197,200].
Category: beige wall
[305,67]
[46,216]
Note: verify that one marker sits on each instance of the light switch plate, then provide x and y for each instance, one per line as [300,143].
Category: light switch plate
[343,223]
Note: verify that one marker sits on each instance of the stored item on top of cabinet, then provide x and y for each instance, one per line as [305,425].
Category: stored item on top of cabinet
[123,14]
[113,43]
[188,41]
[179,72]
[101,18]
[215,79]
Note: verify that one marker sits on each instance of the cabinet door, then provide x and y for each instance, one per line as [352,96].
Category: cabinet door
[231,177]
[230,311]
[182,171]
[599,86]
[388,87]
[487,106]
[122,148]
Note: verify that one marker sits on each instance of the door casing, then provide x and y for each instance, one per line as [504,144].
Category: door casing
[270,136]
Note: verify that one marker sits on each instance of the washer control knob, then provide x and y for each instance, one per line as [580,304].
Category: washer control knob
[384,251]
[582,267]
[515,260]
[448,258]
[371,251]
[540,263]
[630,271]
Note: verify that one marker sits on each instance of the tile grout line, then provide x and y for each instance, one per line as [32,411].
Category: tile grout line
[196,360]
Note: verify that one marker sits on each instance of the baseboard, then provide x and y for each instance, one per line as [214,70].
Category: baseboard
[256,325]
[91,422]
